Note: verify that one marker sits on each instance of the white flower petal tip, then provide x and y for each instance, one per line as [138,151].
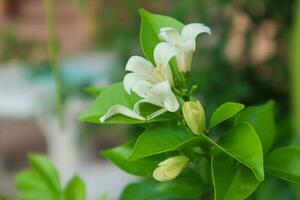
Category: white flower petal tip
[170,35]
[170,168]
[184,41]
[129,81]
[163,52]
[119,109]
[191,31]
[138,65]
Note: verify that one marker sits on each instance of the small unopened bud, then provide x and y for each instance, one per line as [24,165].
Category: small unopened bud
[194,116]
[170,168]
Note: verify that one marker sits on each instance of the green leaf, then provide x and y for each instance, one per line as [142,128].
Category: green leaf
[32,186]
[116,95]
[276,189]
[162,138]
[187,185]
[285,163]
[142,167]
[262,119]
[93,90]
[231,181]
[146,190]
[104,196]
[242,143]
[40,182]
[224,112]
[150,28]
[46,170]
[75,189]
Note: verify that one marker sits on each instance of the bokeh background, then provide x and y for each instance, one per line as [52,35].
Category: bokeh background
[251,57]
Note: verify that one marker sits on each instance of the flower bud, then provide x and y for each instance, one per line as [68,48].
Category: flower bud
[194,116]
[170,168]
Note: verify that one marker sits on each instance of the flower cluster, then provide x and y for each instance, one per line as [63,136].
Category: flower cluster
[154,83]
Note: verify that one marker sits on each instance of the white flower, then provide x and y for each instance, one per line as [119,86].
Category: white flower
[184,41]
[142,69]
[170,168]
[151,83]
[159,94]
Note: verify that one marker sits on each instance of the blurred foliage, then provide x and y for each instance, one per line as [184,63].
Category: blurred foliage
[13,48]
[42,181]
[295,71]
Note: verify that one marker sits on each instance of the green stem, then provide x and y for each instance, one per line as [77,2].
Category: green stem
[52,54]
[295,73]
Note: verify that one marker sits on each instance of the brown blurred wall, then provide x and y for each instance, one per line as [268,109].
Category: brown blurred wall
[27,18]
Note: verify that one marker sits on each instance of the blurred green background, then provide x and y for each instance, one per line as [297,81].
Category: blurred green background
[252,56]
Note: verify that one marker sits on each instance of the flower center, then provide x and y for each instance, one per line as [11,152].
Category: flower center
[160,74]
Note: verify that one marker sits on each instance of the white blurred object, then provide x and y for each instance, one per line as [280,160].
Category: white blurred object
[21,98]
[101,178]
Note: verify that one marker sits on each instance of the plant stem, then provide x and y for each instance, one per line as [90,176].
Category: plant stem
[295,73]
[53,54]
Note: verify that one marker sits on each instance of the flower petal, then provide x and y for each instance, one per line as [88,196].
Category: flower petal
[130,81]
[190,31]
[119,109]
[184,58]
[141,88]
[163,52]
[139,65]
[163,94]
[170,35]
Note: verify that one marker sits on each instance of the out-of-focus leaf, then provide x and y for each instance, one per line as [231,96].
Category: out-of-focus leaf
[116,95]
[32,186]
[46,170]
[162,138]
[150,27]
[93,90]
[142,167]
[262,119]
[103,197]
[75,190]
[40,182]
[285,163]
[231,181]
[224,112]
[242,143]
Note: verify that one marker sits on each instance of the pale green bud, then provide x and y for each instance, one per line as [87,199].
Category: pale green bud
[170,168]
[194,116]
